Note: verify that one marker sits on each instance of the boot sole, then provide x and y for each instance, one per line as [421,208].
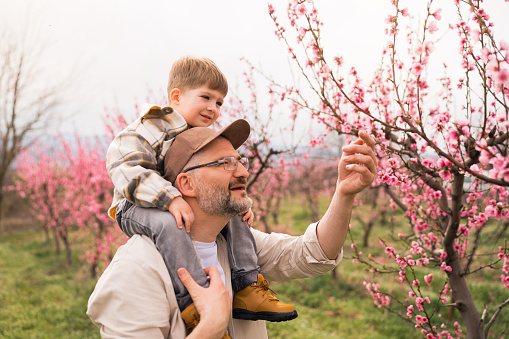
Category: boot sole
[239,313]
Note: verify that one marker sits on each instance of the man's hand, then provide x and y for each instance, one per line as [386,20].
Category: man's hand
[357,166]
[356,171]
[249,216]
[182,213]
[213,303]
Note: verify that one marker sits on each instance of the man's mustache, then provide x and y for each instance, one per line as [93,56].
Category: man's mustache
[238,181]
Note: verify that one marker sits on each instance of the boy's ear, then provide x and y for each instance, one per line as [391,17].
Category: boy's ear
[185,184]
[175,96]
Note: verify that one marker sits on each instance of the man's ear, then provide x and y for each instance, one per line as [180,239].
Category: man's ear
[186,185]
[175,96]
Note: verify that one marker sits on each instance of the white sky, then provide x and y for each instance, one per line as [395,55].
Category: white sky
[121,48]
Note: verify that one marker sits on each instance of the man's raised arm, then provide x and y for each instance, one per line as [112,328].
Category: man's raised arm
[356,171]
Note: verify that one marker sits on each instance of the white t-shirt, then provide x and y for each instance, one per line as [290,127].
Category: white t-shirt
[208,256]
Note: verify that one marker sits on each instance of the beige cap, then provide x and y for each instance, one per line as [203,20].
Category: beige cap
[194,139]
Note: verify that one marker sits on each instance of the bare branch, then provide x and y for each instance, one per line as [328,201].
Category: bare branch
[494,317]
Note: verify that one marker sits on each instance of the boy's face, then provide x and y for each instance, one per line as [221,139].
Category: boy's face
[199,106]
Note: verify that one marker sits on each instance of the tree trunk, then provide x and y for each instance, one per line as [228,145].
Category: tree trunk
[314,206]
[460,292]
[67,245]
[265,223]
[367,232]
[371,222]
[334,274]
[46,234]
[464,301]
[57,242]
[1,205]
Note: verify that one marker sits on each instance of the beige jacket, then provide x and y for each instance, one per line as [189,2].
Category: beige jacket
[134,297]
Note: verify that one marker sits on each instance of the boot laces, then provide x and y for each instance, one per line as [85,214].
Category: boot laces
[264,287]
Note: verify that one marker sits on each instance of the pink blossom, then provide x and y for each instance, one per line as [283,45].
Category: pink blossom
[410,311]
[476,34]
[444,267]
[485,54]
[390,19]
[432,27]
[324,72]
[417,68]
[484,158]
[437,15]
[301,10]
[502,77]
[428,278]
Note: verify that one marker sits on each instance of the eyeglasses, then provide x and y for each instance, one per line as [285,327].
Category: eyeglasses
[229,164]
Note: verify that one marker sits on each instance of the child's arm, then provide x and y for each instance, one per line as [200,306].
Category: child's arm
[135,155]
[249,216]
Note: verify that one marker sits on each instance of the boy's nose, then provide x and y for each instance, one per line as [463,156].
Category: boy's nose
[212,107]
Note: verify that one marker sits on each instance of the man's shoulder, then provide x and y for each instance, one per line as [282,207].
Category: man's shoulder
[139,252]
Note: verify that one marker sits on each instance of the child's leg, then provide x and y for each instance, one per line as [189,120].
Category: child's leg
[174,244]
[241,253]
[252,299]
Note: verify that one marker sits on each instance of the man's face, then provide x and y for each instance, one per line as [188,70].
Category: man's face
[221,192]
[200,106]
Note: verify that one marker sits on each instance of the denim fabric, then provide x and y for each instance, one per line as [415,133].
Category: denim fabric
[177,249]
[174,244]
[241,253]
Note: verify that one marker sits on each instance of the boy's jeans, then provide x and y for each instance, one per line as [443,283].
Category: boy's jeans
[177,248]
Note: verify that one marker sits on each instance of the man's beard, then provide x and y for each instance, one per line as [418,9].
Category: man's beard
[218,200]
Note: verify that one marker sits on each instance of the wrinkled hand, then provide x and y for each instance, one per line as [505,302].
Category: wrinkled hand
[357,166]
[182,213]
[249,216]
[213,303]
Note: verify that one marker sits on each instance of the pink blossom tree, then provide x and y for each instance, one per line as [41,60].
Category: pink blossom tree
[446,169]
[42,178]
[92,190]
[312,179]
[70,192]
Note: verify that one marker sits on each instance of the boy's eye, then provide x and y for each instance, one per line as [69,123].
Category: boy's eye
[219,103]
[205,97]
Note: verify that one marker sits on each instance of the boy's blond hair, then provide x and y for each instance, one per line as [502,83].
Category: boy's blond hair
[192,72]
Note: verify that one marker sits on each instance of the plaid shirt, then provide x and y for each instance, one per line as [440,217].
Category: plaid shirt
[135,159]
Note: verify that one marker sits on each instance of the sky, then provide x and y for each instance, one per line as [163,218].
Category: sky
[118,50]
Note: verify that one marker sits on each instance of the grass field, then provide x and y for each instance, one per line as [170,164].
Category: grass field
[40,298]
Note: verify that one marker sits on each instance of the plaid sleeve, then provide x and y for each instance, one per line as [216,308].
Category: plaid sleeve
[135,158]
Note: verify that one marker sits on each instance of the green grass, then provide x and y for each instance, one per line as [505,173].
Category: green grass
[41,298]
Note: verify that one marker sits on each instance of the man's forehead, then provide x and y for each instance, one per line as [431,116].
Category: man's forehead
[219,148]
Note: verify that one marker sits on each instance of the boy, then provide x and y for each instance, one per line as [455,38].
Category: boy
[135,160]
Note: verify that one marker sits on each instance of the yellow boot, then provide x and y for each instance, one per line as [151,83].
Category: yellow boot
[191,318]
[255,302]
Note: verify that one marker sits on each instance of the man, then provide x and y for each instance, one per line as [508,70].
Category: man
[214,186]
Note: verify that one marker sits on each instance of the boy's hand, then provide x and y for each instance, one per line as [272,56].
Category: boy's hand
[249,216]
[182,213]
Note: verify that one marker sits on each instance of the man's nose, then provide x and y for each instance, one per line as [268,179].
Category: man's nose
[240,171]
